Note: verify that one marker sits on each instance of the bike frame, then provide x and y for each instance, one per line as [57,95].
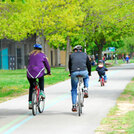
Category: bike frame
[102,81]
[37,100]
[37,90]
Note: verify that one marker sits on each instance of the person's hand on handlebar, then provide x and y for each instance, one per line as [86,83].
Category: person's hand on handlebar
[47,74]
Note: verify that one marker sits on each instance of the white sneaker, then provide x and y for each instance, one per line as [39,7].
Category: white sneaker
[30,104]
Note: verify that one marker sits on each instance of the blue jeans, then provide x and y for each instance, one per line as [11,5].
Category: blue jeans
[105,77]
[74,83]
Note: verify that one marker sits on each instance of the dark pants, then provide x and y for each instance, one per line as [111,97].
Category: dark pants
[31,81]
[101,74]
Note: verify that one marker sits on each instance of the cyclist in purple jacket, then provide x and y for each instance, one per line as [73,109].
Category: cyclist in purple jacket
[36,69]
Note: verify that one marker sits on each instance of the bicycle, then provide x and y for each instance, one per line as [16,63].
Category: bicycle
[102,82]
[37,100]
[80,95]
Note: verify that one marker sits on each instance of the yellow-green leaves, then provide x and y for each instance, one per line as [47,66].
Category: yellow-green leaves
[56,19]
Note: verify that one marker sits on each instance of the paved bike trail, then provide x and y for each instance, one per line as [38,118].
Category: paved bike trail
[57,118]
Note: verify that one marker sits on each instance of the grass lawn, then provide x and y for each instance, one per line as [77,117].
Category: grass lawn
[120,119]
[119,61]
[14,82]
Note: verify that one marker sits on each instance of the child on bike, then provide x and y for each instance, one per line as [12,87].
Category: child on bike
[101,70]
[36,70]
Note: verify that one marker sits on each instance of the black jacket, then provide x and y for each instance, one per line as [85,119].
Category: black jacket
[79,61]
[101,70]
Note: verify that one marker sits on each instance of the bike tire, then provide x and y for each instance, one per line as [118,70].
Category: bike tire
[82,98]
[41,104]
[34,103]
[79,105]
[101,82]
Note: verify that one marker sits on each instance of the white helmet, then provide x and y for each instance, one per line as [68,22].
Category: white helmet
[78,47]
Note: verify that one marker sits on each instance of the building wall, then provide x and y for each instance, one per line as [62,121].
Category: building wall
[7,60]
[18,52]
[62,57]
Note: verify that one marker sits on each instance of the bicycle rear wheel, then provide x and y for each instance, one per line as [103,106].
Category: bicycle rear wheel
[34,103]
[82,98]
[41,105]
[79,104]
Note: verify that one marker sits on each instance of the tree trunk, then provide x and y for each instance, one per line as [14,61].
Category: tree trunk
[41,40]
[68,50]
[57,57]
[100,53]
[100,48]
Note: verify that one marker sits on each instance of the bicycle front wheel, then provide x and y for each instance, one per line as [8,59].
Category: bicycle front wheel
[41,105]
[79,104]
[101,82]
[34,103]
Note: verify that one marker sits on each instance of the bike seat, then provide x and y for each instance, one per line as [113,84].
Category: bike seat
[79,76]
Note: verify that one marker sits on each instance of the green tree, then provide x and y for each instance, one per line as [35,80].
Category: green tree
[128,46]
[107,21]
[51,20]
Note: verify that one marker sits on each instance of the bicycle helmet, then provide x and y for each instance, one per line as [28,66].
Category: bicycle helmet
[37,46]
[100,61]
[78,47]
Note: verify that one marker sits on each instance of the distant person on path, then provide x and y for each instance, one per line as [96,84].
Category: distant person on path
[79,64]
[104,59]
[127,58]
[36,69]
[101,70]
[96,58]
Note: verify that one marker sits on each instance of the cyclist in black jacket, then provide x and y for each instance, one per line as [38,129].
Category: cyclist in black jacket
[79,64]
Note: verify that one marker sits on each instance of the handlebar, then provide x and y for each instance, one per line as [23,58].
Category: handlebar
[47,74]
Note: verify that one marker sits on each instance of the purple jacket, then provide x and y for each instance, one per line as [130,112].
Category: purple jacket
[37,65]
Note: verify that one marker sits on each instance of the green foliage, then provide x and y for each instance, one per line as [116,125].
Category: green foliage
[17,83]
[85,21]
[53,19]
[128,46]
[23,1]
[108,21]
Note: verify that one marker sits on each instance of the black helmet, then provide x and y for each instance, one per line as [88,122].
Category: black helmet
[78,47]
